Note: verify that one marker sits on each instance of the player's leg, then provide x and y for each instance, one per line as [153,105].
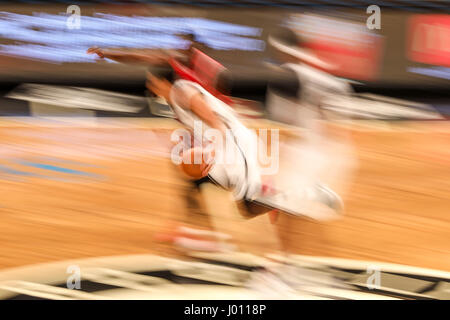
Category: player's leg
[226,218]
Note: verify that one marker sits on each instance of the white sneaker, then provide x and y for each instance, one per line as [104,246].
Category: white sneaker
[328,197]
[317,202]
[268,285]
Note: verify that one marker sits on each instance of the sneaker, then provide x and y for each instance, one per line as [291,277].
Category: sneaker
[317,202]
[186,238]
[269,285]
[328,197]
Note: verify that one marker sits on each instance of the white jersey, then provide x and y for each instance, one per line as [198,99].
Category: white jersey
[314,86]
[236,166]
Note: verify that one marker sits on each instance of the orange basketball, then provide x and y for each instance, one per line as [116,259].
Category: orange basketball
[194,163]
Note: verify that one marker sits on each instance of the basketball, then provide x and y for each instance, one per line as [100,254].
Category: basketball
[194,163]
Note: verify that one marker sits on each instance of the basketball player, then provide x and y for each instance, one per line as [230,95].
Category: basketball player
[309,81]
[191,103]
[299,101]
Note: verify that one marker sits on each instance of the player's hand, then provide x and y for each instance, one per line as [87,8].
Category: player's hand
[97,51]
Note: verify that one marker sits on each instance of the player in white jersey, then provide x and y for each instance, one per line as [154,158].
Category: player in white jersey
[191,104]
[242,176]
[299,102]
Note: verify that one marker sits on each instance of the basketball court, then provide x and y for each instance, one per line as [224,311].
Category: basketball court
[103,187]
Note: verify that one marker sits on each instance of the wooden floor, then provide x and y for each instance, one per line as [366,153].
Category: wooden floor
[106,189]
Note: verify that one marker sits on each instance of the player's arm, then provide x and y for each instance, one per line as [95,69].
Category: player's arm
[200,107]
[131,57]
[187,98]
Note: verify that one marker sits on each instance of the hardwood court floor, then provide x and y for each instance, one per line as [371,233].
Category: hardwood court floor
[106,189]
